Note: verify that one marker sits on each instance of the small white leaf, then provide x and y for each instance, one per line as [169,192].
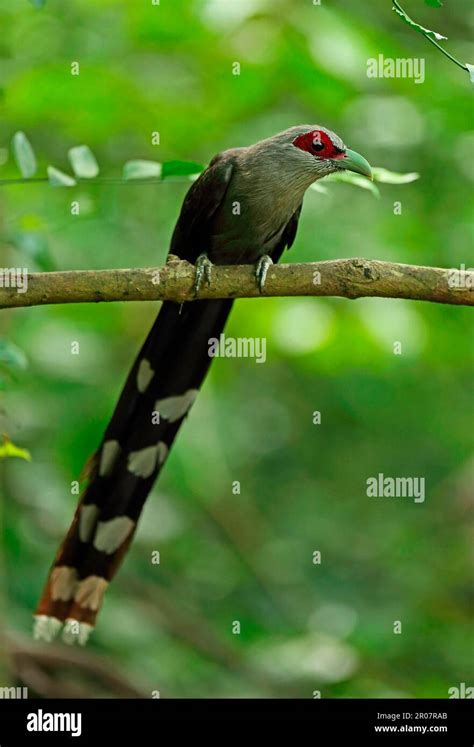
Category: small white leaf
[83,162]
[142,170]
[24,155]
[319,188]
[59,178]
[391,177]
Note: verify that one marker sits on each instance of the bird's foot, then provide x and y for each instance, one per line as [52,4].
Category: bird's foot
[263,265]
[203,272]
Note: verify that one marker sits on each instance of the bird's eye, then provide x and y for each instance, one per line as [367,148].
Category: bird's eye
[318,144]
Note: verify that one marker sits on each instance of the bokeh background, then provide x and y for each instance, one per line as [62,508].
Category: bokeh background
[247,557]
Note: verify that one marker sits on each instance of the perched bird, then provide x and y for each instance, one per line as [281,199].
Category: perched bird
[243,209]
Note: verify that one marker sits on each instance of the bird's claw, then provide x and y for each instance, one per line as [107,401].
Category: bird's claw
[261,270]
[203,272]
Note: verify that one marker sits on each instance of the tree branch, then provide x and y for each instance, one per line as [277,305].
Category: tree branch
[348,278]
[47,671]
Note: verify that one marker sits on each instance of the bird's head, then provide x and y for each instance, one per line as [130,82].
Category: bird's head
[318,152]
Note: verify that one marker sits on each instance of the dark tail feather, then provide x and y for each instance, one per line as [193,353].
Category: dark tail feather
[158,393]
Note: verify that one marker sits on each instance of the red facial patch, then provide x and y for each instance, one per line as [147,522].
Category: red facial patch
[319,144]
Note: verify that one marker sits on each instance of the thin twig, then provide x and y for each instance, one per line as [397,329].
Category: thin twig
[460,64]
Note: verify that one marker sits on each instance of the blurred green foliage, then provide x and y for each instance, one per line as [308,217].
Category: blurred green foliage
[167,68]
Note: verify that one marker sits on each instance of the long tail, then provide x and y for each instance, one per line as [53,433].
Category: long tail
[159,391]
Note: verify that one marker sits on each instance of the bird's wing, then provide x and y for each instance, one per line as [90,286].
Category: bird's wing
[288,235]
[193,230]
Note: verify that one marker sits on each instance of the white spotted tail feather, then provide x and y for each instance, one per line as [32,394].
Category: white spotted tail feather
[157,396]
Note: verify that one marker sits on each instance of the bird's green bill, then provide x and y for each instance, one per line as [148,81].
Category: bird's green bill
[353,161]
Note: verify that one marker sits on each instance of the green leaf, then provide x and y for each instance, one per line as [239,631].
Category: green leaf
[181,168]
[434,3]
[142,170]
[37,3]
[392,177]
[11,356]
[8,449]
[426,32]
[59,178]
[348,177]
[24,155]
[35,246]
[470,70]
[83,162]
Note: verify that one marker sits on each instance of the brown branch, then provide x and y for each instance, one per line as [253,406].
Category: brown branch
[37,666]
[348,278]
